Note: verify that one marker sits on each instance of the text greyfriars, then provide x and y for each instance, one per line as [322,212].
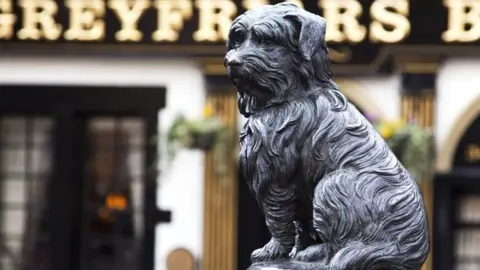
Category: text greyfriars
[86,20]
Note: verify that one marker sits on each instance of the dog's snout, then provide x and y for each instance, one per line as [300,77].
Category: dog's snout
[234,62]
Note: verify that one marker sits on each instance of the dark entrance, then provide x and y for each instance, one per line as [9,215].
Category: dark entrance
[456,231]
[252,231]
[77,177]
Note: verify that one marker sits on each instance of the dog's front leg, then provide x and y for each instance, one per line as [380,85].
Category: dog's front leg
[279,208]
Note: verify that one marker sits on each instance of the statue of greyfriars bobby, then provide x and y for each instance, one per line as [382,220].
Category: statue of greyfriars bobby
[333,194]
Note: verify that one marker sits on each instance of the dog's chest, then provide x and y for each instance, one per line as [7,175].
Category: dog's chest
[264,156]
[248,153]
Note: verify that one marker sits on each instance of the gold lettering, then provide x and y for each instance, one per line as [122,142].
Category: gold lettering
[463,21]
[38,20]
[129,12]
[251,4]
[472,153]
[215,18]
[171,15]
[85,24]
[343,13]
[296,2]
[382,14]
[7,19]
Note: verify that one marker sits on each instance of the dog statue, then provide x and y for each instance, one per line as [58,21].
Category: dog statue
[333,194]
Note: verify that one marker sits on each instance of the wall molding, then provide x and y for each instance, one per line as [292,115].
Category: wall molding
[357,96]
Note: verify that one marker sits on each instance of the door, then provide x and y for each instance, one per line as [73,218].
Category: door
[78,181]
[456,239]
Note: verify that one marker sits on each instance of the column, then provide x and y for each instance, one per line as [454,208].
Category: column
[221,191]
[418,104]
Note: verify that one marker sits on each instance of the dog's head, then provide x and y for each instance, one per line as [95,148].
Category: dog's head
[275,53]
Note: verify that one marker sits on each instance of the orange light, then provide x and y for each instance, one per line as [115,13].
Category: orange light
[116,202]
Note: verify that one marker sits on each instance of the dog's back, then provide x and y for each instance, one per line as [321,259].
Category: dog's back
[369,204]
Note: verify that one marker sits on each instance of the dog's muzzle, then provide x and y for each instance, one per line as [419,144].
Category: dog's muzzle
[234,66]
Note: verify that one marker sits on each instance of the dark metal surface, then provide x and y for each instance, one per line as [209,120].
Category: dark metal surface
[333,194]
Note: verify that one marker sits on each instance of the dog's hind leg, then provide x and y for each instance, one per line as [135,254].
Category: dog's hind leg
[279,208]
[379,227]
[375,256]
[333,215]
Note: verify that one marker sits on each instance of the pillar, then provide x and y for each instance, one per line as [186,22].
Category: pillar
[418,104]
[221,191]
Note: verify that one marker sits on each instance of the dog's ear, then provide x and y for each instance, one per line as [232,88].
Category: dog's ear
[311,33]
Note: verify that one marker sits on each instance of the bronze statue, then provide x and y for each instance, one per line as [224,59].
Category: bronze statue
[333,194]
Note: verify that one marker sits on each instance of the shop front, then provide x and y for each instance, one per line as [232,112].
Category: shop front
[86,86]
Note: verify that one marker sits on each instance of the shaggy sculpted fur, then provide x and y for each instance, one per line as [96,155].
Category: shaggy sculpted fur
[333,194]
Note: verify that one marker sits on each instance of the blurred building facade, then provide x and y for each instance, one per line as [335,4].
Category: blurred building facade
[87,76]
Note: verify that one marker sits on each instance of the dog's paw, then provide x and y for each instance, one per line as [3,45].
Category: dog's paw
[270,252]
[315,253]
[293,253]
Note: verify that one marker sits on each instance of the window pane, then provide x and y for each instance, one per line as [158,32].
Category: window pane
[13,191]
[468,210]
[115,193]
[13,160]
[25,162]
[13,130]
[13,222]
[467,266]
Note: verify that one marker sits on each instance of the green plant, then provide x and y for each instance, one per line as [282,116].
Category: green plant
[413,145]
[207,133]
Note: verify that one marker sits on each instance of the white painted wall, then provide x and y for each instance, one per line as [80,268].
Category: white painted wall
[458,85]
[382,92]
[181,187]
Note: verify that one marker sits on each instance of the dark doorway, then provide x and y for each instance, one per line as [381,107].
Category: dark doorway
[456,230]
[77,178]
[252,231]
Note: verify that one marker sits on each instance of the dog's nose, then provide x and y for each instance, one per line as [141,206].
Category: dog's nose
[234,62]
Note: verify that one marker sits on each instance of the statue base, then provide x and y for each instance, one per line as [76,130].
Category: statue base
[286,265]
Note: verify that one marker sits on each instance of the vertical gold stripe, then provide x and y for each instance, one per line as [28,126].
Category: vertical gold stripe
[208,201]
[219,226]
[221,194]
[235,185]
[421,109]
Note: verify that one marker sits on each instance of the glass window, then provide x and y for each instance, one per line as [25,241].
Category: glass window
[114,200]
[25,164]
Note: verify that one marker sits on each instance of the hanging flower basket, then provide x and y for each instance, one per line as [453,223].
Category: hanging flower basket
[207,133]
[203,141]
[413,145]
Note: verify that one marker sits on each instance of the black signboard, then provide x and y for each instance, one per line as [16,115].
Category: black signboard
[468,149]
[360,32]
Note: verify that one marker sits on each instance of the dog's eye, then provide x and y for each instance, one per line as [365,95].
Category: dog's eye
[237,38]
[265,41]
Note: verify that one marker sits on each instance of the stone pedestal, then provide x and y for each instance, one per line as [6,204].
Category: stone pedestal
[286,265]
